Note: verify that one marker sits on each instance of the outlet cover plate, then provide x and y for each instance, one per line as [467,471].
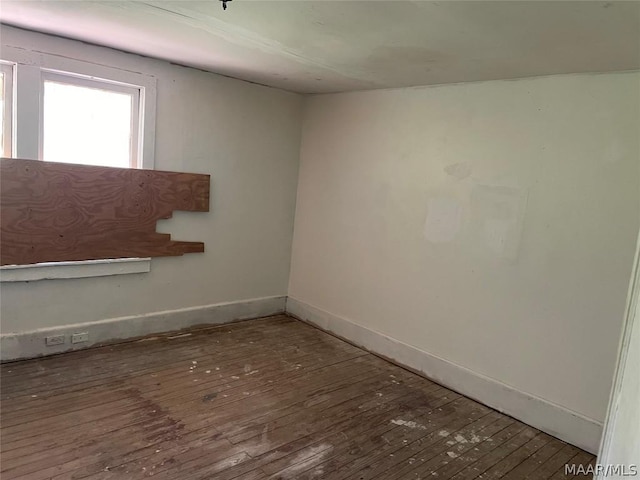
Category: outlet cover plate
[80,337]
[54,340]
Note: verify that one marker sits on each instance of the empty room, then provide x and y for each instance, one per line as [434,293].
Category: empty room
[342,240]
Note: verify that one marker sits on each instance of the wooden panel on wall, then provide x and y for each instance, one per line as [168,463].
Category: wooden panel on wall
[53,212]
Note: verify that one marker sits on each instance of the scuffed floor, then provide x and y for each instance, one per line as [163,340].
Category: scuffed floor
[268,398]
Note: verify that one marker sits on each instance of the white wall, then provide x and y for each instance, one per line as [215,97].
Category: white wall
[491,225]
[247,137]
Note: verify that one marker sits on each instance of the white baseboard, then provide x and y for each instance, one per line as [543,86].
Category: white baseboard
[21,345]
[542,414]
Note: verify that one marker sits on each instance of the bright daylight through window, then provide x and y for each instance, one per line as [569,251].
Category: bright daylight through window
[89,123]
[75,112]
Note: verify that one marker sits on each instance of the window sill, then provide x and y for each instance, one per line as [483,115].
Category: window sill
[84,269]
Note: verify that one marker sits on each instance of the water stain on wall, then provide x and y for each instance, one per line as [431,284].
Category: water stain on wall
[460,170]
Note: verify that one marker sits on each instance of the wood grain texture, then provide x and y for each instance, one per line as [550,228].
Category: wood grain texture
[270,398]
[52,212]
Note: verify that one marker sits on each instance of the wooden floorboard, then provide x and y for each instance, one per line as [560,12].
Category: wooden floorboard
[270,398]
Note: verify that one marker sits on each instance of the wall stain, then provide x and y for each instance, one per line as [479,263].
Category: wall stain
[459,170]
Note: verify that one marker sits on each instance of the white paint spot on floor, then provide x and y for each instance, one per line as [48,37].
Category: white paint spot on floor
[460,439]
[305,460]
[309,452]
[252,372]
[475,439]
[235,377]
[443,433]
[208,371]
[408,423]
[452,454]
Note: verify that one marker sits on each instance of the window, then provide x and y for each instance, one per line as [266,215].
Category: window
[6,108]
[59,109]
[89,122]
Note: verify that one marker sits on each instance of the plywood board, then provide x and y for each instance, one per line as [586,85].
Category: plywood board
[63,212]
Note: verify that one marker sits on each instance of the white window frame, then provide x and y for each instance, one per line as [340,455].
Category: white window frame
[30,68]
[67,270]
[7,69]
[136,93]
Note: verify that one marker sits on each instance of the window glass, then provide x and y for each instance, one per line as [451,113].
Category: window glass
[87,125]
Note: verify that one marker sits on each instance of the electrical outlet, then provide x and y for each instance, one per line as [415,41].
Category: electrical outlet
[80,337]
[54,340]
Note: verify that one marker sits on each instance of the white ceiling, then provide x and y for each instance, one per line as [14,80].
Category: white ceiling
[331,46]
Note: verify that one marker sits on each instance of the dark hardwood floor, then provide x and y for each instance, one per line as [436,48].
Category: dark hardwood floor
[267,398]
